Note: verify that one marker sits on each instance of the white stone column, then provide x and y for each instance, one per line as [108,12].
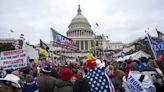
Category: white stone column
[89,45]
[79,44]
[84,44]
[76,33]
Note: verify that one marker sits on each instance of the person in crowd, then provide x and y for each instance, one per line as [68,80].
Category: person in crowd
[144,62]
[128,66]
[23,72]
[10,83]
[115,75]
[55,71]
[64,84]
[2,73]
[118,73]
[136,82]
[97,78]
[81,85]
[123,66]
[45,81]
[30,85]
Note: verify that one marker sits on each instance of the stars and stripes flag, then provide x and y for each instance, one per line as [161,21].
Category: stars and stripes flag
[98,80]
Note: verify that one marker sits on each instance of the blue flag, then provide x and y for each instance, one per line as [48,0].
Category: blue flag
[156,46]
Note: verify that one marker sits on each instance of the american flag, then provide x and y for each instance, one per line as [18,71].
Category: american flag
[98,80]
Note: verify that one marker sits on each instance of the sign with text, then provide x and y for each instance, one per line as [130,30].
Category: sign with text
[13,59]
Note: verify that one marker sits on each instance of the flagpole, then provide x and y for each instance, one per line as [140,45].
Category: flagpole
[151,45]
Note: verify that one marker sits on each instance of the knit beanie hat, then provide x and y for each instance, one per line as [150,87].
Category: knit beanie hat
[30,85]
[134,66]
[66,74]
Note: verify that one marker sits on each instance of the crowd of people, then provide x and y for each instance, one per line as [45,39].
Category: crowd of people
[93,75]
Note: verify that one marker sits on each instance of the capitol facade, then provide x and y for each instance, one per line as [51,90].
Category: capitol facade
[81,33]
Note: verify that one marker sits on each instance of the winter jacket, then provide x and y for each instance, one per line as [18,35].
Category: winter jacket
[81,85]
[119,74]
[30,87]
[63,86]
[46,83]
[131,83]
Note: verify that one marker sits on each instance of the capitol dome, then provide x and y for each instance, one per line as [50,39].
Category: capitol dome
[79,18]
[79,26]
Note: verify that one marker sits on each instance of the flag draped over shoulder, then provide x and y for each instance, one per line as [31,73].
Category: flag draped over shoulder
[98,81]
[160,34]
[43,45]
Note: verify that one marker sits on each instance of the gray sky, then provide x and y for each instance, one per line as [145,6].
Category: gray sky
[121,20]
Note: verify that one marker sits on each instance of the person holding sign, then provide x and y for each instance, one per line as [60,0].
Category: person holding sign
[135,82]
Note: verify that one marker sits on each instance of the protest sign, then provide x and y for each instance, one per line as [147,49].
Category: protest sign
[13,59]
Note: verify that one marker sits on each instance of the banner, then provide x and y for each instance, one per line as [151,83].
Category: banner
[157,46]
[63,41]
[13,59]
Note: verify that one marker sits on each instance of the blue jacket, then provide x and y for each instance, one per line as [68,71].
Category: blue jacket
[30,87]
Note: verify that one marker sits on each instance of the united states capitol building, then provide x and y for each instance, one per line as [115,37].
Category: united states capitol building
[79,30]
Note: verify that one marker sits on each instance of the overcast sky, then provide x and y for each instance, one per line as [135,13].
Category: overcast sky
[120,20]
